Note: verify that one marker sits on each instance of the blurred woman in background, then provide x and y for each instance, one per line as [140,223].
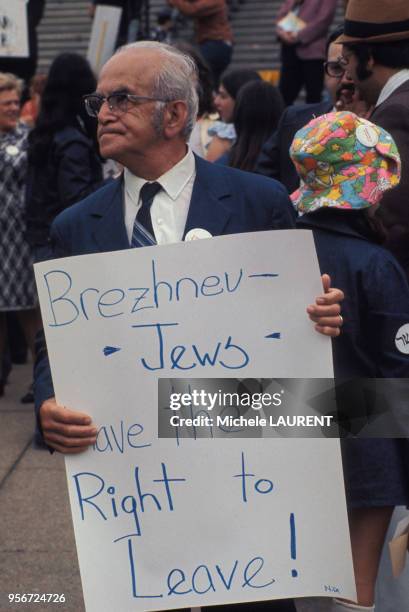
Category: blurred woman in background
[223,131]
[17,286]
[257,111]
[64,165]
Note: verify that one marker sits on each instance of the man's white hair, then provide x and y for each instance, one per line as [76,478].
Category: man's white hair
[177,79]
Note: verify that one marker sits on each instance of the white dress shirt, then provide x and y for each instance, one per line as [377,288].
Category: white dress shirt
[170,207]
[392,85]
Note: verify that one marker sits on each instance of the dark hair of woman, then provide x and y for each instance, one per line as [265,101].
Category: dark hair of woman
[233,80]
[70,77]
[206,81]
[257,112]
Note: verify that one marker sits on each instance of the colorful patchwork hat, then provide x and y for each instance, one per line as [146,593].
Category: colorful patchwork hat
[344,162]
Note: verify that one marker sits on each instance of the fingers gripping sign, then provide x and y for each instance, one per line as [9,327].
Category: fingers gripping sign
[326,312]
[65,430]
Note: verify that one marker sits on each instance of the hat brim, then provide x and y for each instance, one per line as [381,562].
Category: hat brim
[344,38]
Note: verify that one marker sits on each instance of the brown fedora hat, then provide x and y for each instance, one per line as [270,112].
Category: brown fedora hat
[375,21]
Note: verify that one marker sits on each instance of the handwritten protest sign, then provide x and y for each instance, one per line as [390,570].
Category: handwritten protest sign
[169,523]
[13,28]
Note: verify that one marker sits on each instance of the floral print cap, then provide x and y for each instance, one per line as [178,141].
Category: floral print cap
[343,162]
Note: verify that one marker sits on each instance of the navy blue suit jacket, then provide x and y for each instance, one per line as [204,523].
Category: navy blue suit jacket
[224,201]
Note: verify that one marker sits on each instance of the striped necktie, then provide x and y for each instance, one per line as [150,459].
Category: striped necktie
[142,233]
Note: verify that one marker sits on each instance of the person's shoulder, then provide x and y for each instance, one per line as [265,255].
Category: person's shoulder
[71,134]
[375,265]
[94,203]
[381,275]
[239,179]
[305,112]
[259,201]
[399,100]
[380,259]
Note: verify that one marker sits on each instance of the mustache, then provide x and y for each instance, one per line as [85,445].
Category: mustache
[350,87]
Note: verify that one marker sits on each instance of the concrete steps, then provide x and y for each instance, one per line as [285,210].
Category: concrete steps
[66,27]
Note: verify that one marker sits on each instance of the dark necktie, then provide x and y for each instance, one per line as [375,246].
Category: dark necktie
[142,234]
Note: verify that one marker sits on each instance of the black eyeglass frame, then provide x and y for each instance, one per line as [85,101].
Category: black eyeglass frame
[340,64]
[116,107]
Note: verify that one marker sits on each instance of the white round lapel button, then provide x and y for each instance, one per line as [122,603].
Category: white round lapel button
[197,234]
[12,150]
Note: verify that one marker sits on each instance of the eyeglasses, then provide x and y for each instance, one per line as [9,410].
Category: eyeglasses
[117,103]
[335,69]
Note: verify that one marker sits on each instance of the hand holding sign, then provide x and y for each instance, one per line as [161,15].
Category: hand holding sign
[326,312]
[67,431]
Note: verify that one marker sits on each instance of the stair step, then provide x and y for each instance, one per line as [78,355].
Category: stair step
[66,26]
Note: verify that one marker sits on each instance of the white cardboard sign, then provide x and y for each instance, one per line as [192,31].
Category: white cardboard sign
[13,28]
[163,524]
[103,35]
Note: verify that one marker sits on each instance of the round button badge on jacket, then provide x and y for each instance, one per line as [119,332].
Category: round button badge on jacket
[197,234]
[12,150]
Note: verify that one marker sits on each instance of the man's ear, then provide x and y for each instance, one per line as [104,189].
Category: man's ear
[371,63]
[175,118]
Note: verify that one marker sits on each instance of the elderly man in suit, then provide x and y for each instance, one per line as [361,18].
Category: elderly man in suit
[376,58]
[146,104]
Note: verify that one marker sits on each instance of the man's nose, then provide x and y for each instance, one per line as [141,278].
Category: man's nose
[345,78]
[105,114]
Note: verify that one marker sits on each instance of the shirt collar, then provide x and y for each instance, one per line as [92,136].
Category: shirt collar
[173,181]
[176,179]
[393,83]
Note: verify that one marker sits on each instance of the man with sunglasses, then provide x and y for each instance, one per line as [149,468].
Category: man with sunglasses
[274,160]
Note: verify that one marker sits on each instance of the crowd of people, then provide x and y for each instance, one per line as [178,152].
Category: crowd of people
[184,131]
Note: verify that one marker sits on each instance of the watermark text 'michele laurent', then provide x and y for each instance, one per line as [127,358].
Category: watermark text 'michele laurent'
[254,421]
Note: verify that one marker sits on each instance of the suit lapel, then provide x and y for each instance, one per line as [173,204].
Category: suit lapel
[207,210]
[391,99]
[107,219]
